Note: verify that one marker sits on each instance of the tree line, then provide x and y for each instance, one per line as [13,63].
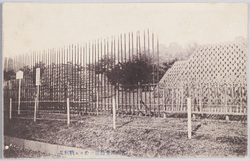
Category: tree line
[141,69]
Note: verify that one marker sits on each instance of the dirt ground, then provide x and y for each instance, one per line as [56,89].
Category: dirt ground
[11,151]
[138,136]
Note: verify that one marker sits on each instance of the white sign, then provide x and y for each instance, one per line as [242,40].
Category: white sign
[37,76]
[19,75]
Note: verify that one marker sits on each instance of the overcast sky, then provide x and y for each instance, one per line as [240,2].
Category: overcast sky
[34,27]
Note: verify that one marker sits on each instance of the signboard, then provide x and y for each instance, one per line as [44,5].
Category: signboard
[19,75]
[37,76]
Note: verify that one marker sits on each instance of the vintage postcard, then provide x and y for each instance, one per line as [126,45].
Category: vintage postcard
[125,80]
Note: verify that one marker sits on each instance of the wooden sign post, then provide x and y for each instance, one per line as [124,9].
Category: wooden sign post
[68,111]
[10,88]
[19,76]
[189,117]
[114,113]
[37,95]
[35,111]
[140,95]
[97,102]
[67,104]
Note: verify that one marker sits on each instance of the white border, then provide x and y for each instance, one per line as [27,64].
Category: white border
[125,1]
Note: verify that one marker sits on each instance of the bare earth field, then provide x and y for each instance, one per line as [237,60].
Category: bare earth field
[138,136]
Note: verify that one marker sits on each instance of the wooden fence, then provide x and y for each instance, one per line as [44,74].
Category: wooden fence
[73,73]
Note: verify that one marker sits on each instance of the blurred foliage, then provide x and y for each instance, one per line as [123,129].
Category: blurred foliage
[9,75]
[140,69]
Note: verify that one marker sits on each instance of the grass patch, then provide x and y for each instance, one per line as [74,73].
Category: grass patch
[138,136]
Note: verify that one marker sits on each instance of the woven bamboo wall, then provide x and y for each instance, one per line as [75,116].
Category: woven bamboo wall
[214,74]
[170,77]
[217,63]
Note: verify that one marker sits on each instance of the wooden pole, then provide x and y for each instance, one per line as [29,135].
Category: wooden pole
[179,99]
[97,101]
[68,112]
[35,109]
[216,98]
[182,91]
[176,100]
[226,98]
[163,97]
[37,84]
[200,102]
[117,100]
[10,88]
[19,94]
[140,95]
[10,108]
[232,99]
[114,113]
[189,118]
[172,104]
[209,98]
[240,89]
[37,99]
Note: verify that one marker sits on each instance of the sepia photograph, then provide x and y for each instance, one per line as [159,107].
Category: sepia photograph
[124,80]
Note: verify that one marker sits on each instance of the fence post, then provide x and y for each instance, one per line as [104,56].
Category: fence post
[37,84]
[37,94]
[182,96]
[114,113]
[10,108]
[139,95]
[116,101]
[35,109]
[172,103]
[200,97]
[19,76]
[10,88]
[68,111]
[97,102]
[37,98]
[189,118]
[209,98]
[241,108]
[163,101]
[19,95]
[226,99]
